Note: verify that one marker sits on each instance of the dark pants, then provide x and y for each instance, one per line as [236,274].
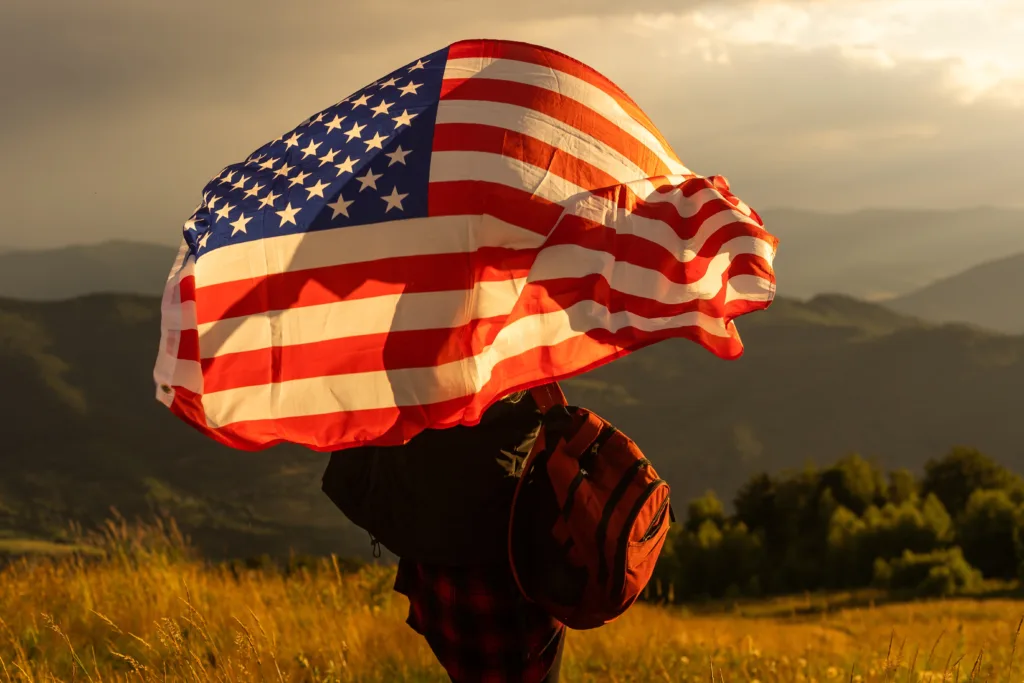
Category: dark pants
[479,626]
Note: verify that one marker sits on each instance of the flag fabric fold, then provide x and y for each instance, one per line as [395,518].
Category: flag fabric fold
[485,219]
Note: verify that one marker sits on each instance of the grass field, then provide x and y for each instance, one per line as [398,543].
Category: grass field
[146,610]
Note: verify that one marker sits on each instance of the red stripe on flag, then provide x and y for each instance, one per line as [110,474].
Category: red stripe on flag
[531,54]
[331,284]
[473,137]
[560,107]
[509,204]
[187,288]
[366,353]
[188,345]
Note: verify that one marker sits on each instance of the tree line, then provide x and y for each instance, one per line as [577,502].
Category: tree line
[852,525]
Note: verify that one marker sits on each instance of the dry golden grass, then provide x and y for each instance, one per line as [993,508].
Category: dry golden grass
[148,611]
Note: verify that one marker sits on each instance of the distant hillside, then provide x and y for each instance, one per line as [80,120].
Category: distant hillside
[987,296]
[82,430]
[122,267]
[877,254]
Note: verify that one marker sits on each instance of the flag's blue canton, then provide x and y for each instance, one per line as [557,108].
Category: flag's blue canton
[363,160]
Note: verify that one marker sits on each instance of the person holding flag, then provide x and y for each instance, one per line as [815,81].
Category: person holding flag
[394,279]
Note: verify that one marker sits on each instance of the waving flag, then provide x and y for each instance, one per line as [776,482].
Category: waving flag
[485,219]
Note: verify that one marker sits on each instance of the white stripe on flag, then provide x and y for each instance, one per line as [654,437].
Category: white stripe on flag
[359,317]
[359,244]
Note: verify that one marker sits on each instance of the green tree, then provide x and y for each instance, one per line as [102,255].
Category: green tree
[844,566]
[963,471]
[707,508]
[755,502]
[902,486]
[855,483]
[988,532]
[718,561]
[892,529]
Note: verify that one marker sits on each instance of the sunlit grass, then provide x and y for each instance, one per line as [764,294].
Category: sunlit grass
[145,609]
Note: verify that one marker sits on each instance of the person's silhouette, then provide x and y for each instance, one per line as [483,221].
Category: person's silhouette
[442,503]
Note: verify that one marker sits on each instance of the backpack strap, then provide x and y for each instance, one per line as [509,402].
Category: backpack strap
[548,396]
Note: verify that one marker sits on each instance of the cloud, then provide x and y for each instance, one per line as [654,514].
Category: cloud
[122,110]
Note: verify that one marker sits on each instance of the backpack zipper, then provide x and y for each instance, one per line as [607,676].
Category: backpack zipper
[655,523]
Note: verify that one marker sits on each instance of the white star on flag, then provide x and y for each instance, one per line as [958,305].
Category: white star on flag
[340,207]
[311,149]
[394,200]
[335,124]
[377,142]
[225,211]
[410,88]
[382,108]
[398,156]
[269,200]
[369,180]
[288,214]
[299,179]
[355,132]
[239,225]
[317,190]
[328,157]
[347,166]
[405,119]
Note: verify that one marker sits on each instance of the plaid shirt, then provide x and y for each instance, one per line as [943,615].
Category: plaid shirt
[478,625]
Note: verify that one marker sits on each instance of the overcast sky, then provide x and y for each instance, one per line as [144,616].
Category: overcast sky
[115,113]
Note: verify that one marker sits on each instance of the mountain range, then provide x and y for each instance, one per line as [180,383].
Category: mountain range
[76,270]
[882,254]
[82,430]
[988,296]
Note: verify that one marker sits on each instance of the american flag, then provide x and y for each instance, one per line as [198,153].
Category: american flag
[485,219]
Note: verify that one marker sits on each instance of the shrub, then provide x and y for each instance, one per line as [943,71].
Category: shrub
[941,573]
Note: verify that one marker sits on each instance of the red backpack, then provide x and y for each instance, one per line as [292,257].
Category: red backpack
[589,517]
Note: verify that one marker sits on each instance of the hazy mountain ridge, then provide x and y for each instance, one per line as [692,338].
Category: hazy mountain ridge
[78,270]
[987,295]
[877,254]
[818,379]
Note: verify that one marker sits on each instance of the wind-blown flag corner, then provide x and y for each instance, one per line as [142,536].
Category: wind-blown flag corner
[487,218]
